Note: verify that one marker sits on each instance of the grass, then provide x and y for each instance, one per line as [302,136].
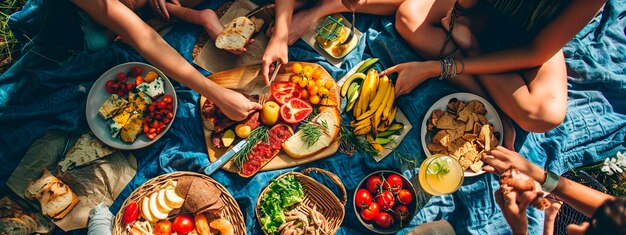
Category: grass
[9,52]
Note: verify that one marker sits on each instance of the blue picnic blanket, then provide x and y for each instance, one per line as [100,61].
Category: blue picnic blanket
[47,87]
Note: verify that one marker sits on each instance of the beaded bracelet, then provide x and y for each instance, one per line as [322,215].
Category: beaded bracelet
[448,68]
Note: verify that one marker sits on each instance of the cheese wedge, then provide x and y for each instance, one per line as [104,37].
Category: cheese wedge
[132,128]
[154,89]
[112,106]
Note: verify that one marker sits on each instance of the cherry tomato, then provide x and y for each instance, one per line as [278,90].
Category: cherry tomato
[151,135]
[138,80]
[329,84]
[295,110]
[384,220]
[402,212]
[130,86]
[160,104]
[405,196]
[317,73]
[395,182]
[163,227]
[370,212]
[362,198]
[135,71]
[373,184]
[314,99]
[385,200]
[121,77]
[130,213]
[167,99]
[297,68]
[109,87]
[183,224]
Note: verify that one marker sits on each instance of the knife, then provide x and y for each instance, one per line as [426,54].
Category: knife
[217,164]
[259,9]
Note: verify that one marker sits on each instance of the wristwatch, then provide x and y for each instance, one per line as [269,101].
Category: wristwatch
[552,180]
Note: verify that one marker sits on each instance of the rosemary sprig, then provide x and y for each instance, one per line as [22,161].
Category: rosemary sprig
[349,143]
[261,133]
[311,132]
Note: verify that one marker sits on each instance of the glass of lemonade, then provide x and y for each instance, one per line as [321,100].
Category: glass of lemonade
[440,175]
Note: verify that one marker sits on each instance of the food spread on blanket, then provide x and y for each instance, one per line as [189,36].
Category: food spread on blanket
[283,210]
[385,200]
[136,106]
[463,132]
[161,211]
[301,119]
[371,102]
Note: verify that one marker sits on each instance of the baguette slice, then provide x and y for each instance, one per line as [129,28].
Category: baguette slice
[262,153]
[236,34]
[35,187]
[295,147]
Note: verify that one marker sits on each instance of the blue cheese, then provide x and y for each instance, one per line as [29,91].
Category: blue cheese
[132,128]
[154,89]
[138,102]
[112,106]
[117,123]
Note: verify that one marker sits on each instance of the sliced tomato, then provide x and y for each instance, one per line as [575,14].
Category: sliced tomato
[284,91]
[295,110]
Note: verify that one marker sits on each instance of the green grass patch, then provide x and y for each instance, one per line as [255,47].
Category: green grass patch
[9,52]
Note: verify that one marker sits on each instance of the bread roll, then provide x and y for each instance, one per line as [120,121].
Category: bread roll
[236,34]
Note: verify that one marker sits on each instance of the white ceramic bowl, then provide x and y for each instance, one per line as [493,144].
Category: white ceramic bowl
[97,96]
[492,116]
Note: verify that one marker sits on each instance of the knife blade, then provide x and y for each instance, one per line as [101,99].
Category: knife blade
[258,9]
[217,164]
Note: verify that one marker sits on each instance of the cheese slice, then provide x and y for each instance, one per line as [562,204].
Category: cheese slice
[112,106]
[117,123]
[154,89]
[138,102]
[132,128]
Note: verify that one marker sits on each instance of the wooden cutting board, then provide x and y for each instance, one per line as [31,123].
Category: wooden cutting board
[249,80]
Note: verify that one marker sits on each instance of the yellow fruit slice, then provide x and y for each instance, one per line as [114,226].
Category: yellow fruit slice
[173,199]
[161,204]
[154,210]
[145,210]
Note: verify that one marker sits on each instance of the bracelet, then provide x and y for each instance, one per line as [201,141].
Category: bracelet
[463,11]
[448,68]
[552,180]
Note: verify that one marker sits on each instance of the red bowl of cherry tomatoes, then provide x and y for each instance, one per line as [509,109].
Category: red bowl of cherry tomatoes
[385,201]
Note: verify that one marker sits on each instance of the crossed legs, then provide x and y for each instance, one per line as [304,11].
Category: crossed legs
[536,99]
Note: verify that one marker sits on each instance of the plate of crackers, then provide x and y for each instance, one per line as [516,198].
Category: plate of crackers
[464,126]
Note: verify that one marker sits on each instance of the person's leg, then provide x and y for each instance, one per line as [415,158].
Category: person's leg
[537,99]
[205,18]
[303,19]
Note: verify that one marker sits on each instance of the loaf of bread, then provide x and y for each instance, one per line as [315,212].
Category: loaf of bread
[236,34]
[14,219]
[55,197]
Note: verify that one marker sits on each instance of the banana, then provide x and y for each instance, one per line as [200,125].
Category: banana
[386,134]
[354,87]
[380,93]
[357,106]
[366,65]
[392,115]
[396,126]
[352,100]
[379,148]
[374,85]
[355,123]
[383,126]
[381,108]
[366,87]
[348,83]
[390,104]
[374,123]
[382,141]
[362,130]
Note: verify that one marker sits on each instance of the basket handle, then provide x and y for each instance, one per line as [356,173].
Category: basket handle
[332,177]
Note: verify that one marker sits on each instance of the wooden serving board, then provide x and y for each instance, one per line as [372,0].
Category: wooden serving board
[249,80]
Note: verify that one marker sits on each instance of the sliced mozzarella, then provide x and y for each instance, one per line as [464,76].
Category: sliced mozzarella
[161,204]
[145,210]
[172,199]
[154,207]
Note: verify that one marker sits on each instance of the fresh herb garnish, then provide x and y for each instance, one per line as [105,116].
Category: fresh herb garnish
[349,143]
[311,132]
[261,133]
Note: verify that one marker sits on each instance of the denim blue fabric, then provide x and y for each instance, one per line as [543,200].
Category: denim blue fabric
[46,90]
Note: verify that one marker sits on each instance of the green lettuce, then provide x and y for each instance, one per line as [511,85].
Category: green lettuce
[283,194]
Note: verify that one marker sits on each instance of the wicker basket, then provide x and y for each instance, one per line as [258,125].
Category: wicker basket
[231,211]
[316,194]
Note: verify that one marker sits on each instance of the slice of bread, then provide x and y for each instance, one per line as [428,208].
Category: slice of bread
[236,34]
[36,186]
[295,147]
[14,226]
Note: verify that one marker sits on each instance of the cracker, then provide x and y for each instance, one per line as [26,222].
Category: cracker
[476,166]
[465,162]
[434,117]
[446,122]
[469,137]
[485,136]
[465,114]
[436,148]
[477,107]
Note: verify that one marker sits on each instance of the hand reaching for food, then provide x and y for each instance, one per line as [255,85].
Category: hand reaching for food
[501,159]
[276,51]
[410,75]
[235,105]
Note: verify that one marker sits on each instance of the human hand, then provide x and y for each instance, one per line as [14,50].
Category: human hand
[242,50]
[410,75]
[513,204]
[276,51]
[501,159]
[159,6]
[234,105]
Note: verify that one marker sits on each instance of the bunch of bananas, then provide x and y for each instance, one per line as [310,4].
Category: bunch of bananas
[371,101]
